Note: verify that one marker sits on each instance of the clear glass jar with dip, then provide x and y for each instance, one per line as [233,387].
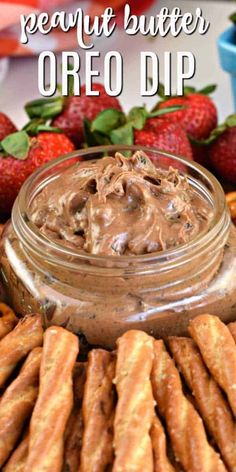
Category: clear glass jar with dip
[100,297]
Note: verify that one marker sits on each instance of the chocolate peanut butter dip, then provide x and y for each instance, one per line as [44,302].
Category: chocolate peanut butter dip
[120,206]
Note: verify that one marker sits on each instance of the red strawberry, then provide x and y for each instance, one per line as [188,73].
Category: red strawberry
[70,112]
[198,118]
[142,128]
[222,153]
[200,154]
[166,136]
[6,126]
[14,170]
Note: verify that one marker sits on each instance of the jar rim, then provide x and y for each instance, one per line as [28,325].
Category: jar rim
[26,229]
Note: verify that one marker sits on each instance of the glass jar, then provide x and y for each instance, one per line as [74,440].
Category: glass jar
[100,297]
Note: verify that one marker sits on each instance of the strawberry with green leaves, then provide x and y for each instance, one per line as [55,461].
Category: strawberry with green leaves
[164,135]
[20,155]
[222,150]
[6,126]
[68,113]
[140,127]
[198,116]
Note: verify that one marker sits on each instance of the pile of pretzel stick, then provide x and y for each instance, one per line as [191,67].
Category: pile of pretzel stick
[149,406]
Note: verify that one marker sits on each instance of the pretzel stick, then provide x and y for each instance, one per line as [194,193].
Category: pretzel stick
[98,409]
[231,202]
[74,428]
[232,328]
[184,425]
[135,409]
[17,461]
[54,402]
[27,334]
[158,437]
[17,403]
[218,350]
[209,399]
[8,320]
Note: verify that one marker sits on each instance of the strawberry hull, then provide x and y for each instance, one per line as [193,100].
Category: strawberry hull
[14,171]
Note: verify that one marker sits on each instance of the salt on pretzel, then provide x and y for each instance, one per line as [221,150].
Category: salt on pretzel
[232,328]
[184,425]
[158,437]
[54,403]
[74,428]
[98,412]
[218,350]
[27,335]
[17,461]
[135,409]
[8,320]
[17,403]
[208,397]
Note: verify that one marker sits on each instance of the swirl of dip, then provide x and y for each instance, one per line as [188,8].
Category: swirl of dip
[120,206]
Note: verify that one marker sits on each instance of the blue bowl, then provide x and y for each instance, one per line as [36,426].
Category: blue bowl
[227,53]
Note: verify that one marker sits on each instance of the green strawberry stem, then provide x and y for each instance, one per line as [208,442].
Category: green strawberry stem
[230,122]
[233,17]
[165,110]
[46,108]
[36,125]
[49,108]
[107,120]
[187,91]
[207,90]
[16,145]
[114,127]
